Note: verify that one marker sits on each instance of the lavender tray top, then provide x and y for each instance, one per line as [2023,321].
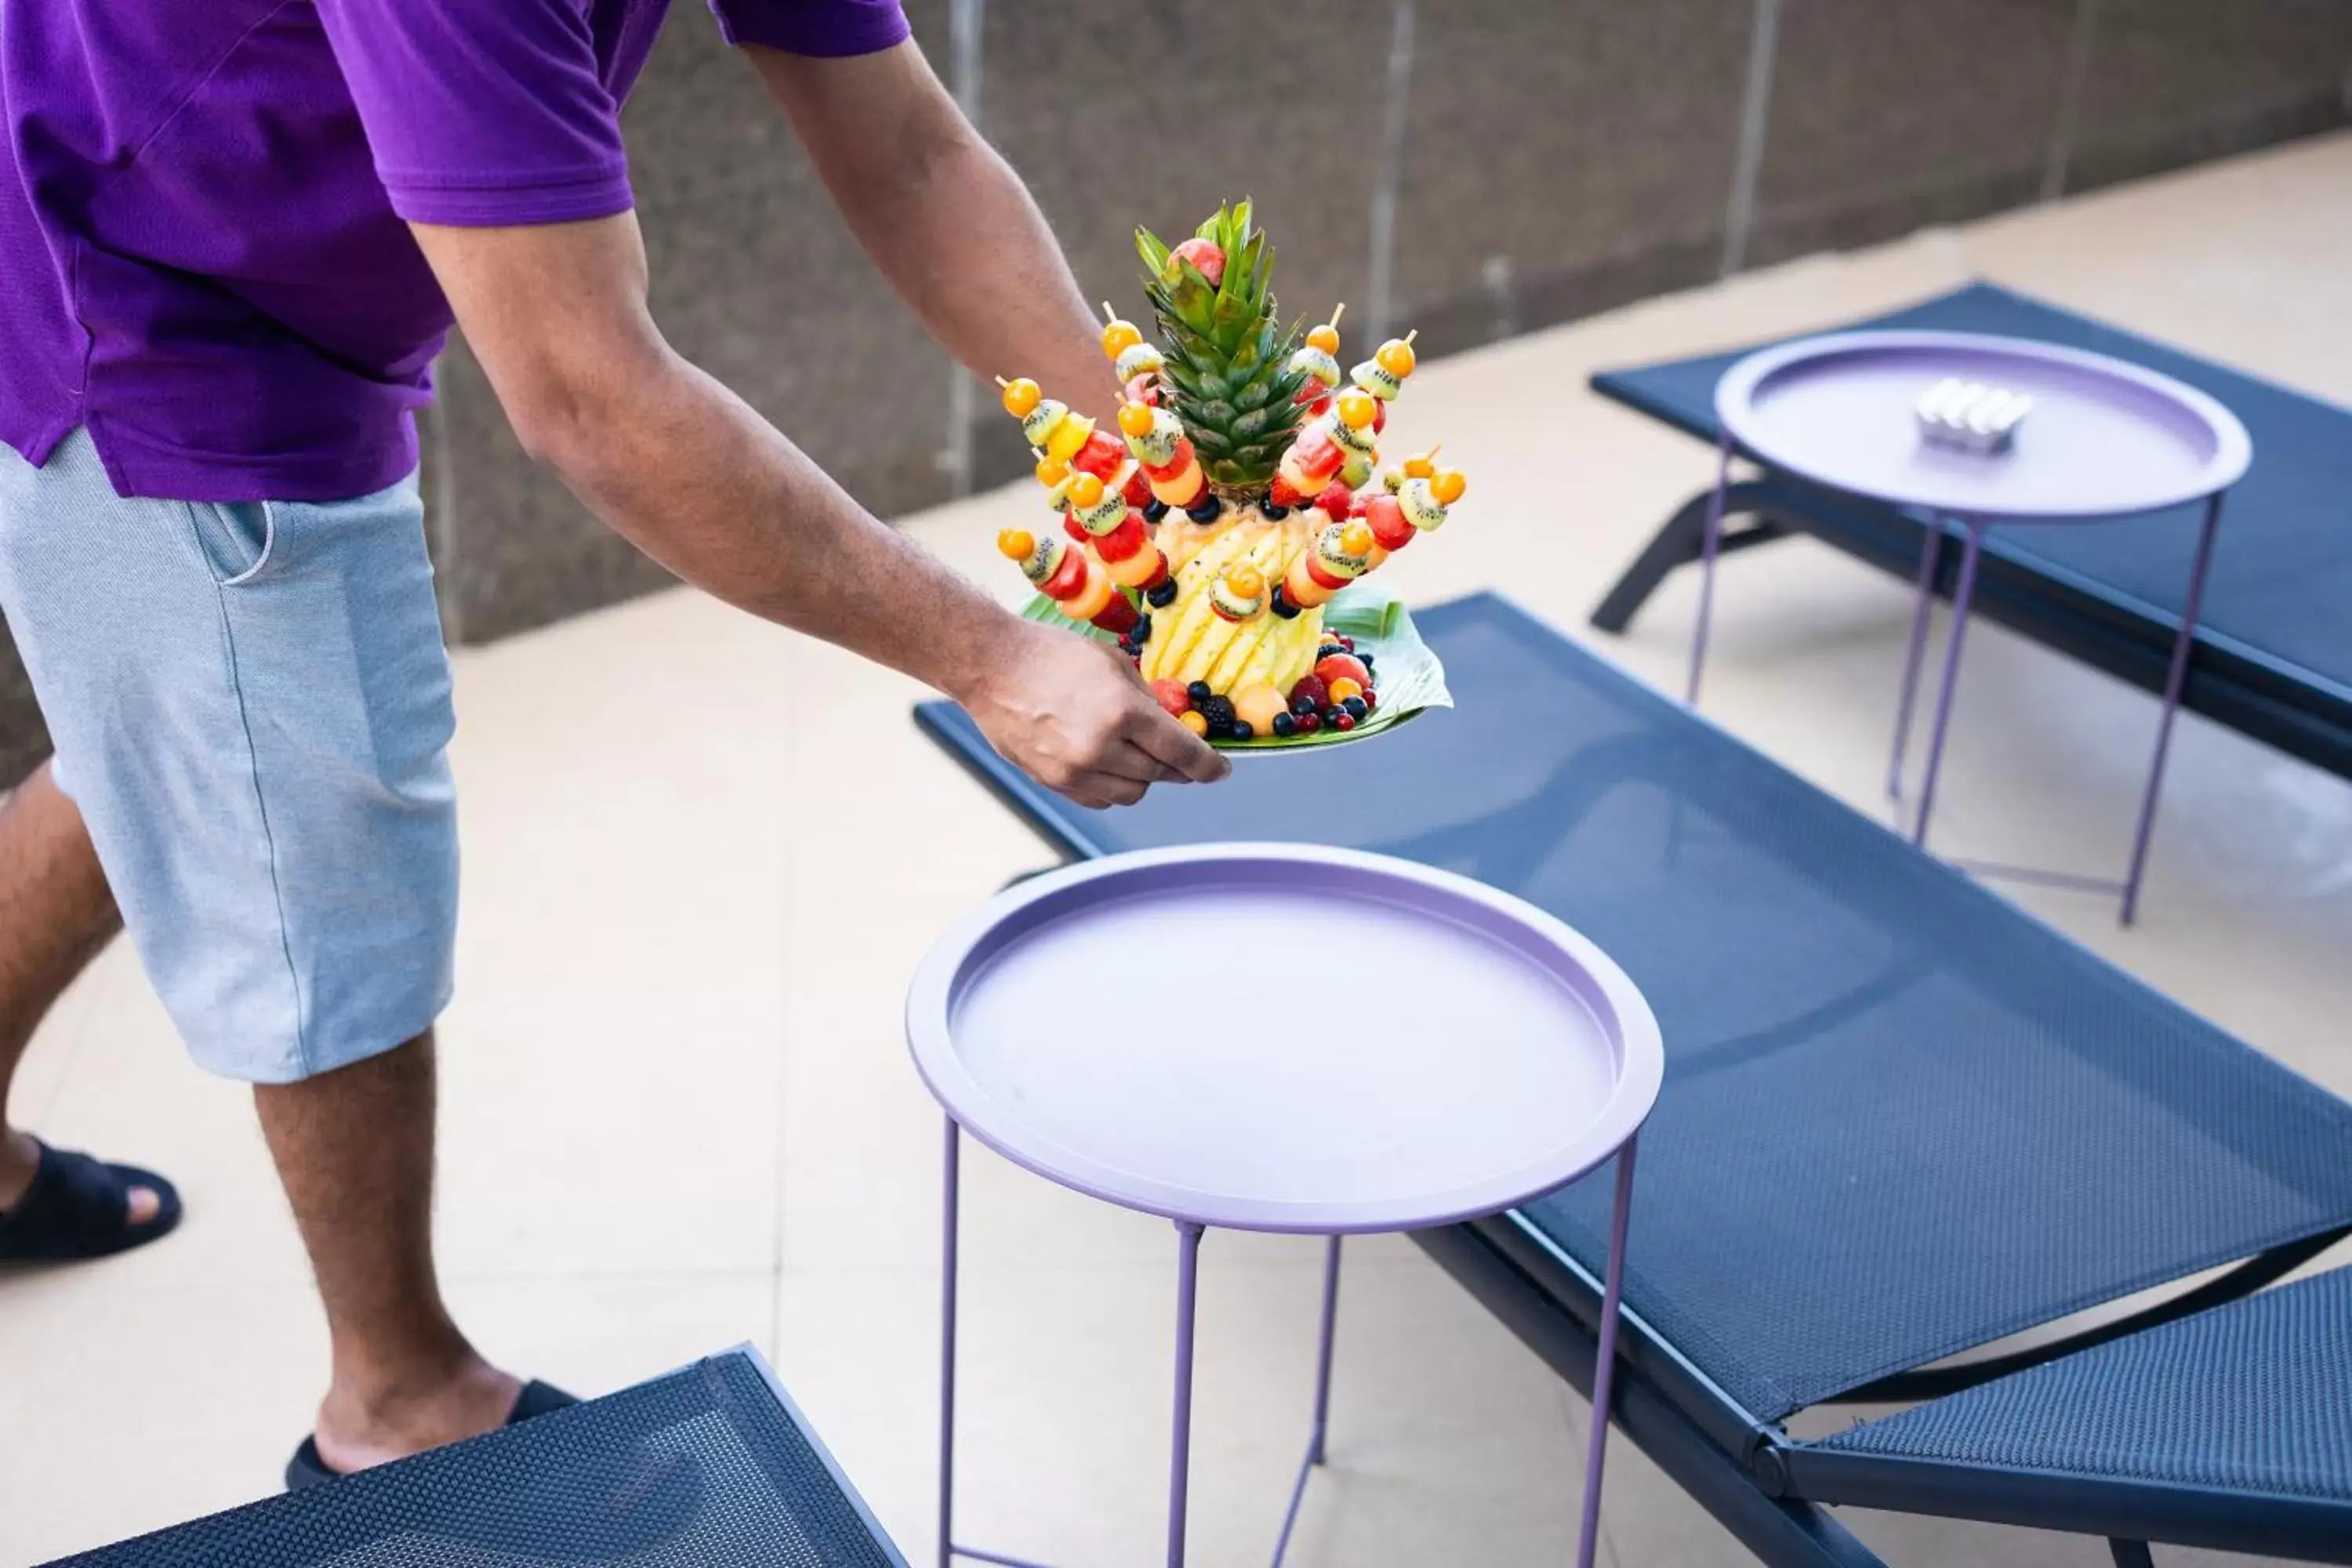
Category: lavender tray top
[2104,439]
[1283,1038]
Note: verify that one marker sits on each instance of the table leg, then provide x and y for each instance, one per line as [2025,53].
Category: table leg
[2182,646]
[1179,1444]
[1709,550]
[1931,552]
[1964,591]
[1322,1397]
[948,1343]
[1604,1365]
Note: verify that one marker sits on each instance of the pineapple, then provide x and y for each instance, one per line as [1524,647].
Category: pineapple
[1227,367]
[1251,518]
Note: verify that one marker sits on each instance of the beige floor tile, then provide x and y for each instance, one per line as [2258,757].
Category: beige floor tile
[129,1408]
[1442,1429]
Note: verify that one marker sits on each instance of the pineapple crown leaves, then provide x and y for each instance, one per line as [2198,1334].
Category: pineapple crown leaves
[1227,354]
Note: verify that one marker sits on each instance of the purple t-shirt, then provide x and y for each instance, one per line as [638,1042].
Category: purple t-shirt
[201,251]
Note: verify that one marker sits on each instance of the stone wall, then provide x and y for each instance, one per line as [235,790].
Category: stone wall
[1536,162]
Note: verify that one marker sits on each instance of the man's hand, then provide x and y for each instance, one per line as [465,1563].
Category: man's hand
[1072,715]
[700,481]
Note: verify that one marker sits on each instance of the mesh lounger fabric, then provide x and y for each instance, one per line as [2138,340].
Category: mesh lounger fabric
[2282,563]
[2255,1396]
[1900,1118]
[704,1468]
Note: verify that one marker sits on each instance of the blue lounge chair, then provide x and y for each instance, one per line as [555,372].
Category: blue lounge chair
[1900,1121]
[2273,657]
[711,1466]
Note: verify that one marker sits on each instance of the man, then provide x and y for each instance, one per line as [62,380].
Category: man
[234,236]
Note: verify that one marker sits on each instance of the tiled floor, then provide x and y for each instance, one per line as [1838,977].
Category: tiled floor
[702,858]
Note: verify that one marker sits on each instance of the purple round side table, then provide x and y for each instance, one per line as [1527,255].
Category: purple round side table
[2105,440]
[1491,1056]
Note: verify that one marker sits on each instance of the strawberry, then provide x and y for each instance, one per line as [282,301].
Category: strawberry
[1173,697]
[1144,388]
[1203,255]
[1175,465]
[1343,667]
[1392,530]
[1333,502]
[1121,542]
[1071,577]
[1101,455]
[1136,492]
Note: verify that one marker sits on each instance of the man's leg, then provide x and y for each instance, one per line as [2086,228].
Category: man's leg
[56,914]
[354,1150]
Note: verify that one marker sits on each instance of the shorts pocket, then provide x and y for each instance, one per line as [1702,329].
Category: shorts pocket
[236,538]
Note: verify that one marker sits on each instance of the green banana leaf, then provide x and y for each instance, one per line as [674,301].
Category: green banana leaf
[1408,678]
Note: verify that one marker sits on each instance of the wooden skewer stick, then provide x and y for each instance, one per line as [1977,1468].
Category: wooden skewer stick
[1337,311]
[1411,335]
[1108,314]
[1002,382]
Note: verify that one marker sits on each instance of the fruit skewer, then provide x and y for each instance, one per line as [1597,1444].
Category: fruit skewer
[1070,576]
[1318,359]
[1118,537]
[1134,360]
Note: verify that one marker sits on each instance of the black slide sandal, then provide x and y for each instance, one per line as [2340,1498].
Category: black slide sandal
[537,1398]
[79,1208]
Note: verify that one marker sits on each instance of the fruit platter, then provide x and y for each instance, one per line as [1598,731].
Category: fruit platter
[1221,537]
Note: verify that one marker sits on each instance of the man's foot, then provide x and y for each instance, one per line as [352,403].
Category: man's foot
[58,1206]
[356,1431]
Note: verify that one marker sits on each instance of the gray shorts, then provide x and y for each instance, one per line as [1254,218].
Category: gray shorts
[250,705]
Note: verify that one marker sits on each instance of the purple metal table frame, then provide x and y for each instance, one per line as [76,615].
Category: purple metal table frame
[1521,996]
[2107,440]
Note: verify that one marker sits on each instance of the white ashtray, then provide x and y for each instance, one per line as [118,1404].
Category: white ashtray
[1970,416]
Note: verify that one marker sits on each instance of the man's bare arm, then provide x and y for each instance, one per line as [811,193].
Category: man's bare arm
[944,218]
[691,475]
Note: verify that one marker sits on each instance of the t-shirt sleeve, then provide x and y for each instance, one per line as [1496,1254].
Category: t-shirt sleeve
[482,112]
[831,29]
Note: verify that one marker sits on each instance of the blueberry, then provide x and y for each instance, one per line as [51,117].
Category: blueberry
[1285,725]
[1208,508]
[1355,707]
[1302,704]
[1141,633]
[1154,509]
[1200,693]
[1162,596]
[1279,602]
[1242,730]
[1272,513]
[1334,713]
[1326,650]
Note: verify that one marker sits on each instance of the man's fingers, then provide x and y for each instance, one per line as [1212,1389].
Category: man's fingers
[1185,755]
[1096,791]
